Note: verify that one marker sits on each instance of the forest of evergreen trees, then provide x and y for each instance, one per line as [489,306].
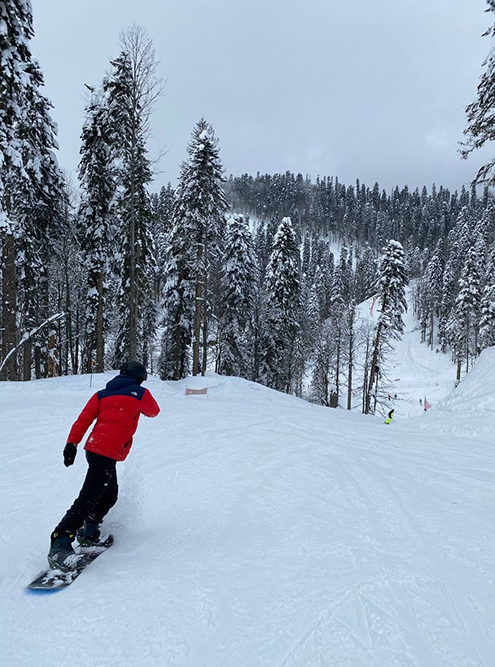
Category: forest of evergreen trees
[448,240]
[234,275]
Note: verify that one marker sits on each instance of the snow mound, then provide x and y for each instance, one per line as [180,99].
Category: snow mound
[226,388]
[469,409]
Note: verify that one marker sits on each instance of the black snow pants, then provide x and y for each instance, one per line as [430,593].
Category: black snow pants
[98,494]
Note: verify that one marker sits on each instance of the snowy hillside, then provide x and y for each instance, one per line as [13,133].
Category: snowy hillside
[470,409]
[412,371]
[254,529]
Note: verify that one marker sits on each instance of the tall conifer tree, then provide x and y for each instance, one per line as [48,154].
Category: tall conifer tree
[200,207]
[391,286]
[97,179]
[480,128]
[238,287]
[282,290]
[30,183]
[126,108]
[178,294]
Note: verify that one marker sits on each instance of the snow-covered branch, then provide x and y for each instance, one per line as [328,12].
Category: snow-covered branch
[30,334]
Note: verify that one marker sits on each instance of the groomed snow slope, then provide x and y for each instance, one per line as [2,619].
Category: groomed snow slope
[253,529]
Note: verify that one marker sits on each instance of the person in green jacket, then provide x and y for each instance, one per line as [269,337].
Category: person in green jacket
[390,415]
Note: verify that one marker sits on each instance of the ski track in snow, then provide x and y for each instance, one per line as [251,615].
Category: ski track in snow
[254,529]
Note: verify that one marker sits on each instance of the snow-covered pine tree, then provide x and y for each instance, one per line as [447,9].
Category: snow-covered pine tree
[260,304]
[487,320]
[318,336]
[366,271]
[128,110]
[313,313]
[432,284]
[391,287]
[481,241]
[451,276]
[162,207]
[339,297]
[201,205]
[351,336]
[15,56]
[458,244]
[480,128]
[16,18]
[30,182]
[46,217]
[178,293]
[339,294]
[306,254]
[282,293]
[238,288]
[97,224]
[467,310]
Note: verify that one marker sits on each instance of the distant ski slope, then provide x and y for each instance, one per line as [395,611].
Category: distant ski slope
[255,529]
[412,371]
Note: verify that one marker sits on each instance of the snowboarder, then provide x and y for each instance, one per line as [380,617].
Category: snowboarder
[390,415]
[116,409]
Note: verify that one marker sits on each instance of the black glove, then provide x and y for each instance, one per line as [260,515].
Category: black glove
[70,451]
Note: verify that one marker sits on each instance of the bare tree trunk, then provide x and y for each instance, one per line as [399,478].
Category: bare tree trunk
[256,342]
[373,371]
[177,352]
[423,330]
[75,368]
[205,307]
[68,320]
[197,326]
[375,395]
[27,348]
[100,343]
[467,345]
[29,322]
[52,369]
[350,358]
[11,371]
[132,278]
[459,362]
[43,315]
[59,338]
[366,372]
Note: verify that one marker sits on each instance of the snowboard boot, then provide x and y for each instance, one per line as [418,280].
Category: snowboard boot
[89,535]
[61,555]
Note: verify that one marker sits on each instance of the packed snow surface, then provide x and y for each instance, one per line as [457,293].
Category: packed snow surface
[256,529]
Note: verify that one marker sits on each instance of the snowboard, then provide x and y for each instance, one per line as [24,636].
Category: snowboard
[51,579]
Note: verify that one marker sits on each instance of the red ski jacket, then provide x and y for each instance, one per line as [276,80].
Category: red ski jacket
[116,409]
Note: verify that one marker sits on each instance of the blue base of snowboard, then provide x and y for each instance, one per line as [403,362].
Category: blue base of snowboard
[53,580]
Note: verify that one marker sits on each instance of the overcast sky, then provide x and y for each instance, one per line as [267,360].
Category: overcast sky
[374,90]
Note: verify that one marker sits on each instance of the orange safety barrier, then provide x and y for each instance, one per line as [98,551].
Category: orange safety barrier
[196,392]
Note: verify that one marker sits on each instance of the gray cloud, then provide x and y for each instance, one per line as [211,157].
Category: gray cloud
[368,90]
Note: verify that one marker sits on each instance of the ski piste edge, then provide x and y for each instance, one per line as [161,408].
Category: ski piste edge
[51,580]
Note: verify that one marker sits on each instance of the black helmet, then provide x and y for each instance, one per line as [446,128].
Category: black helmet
[134,370]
